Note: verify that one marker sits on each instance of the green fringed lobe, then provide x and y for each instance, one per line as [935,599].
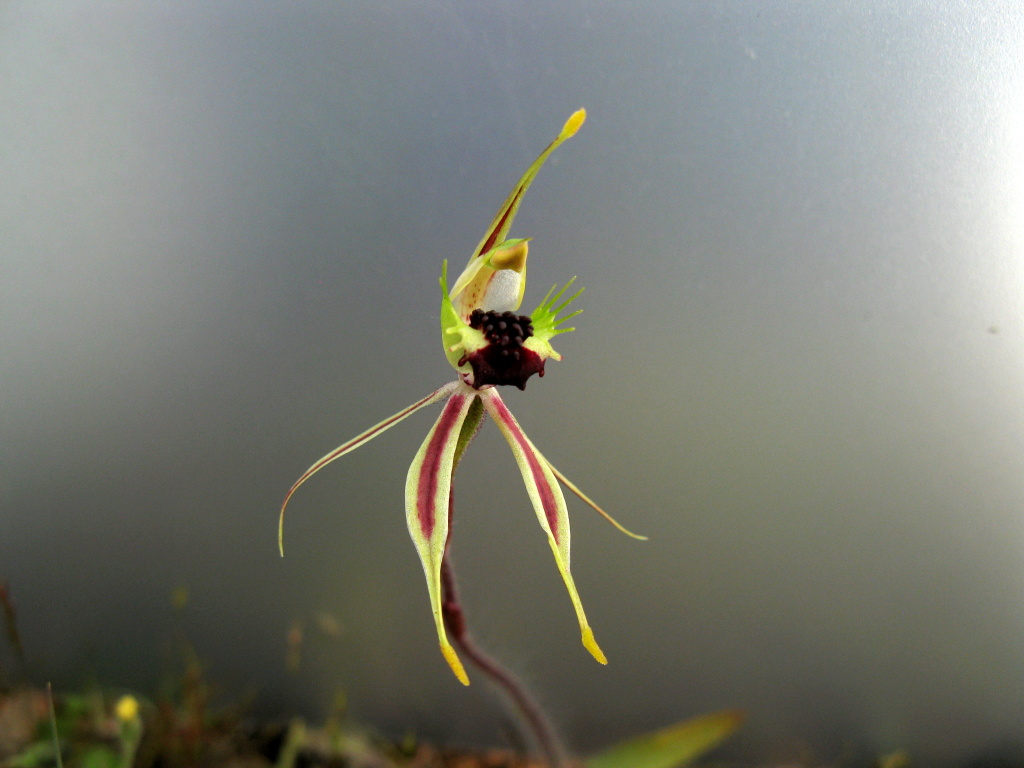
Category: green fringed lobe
[546,321]
[545,316]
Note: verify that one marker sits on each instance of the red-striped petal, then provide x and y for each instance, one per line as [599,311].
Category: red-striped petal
[548,502]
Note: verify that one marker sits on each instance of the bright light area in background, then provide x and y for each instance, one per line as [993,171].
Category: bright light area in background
[1014,136]
[1014,133]
[1005,93]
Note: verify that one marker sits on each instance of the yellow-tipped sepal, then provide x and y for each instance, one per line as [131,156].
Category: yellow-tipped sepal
[573,124]
[427,496]
[591,645]
[488,250]
[548,503]
[453,661]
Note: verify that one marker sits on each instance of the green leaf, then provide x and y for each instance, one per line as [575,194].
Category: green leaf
[39,753]
[100,757]
[672,747]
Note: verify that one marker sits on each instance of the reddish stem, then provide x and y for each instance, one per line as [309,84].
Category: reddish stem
[531,713]
[533,718]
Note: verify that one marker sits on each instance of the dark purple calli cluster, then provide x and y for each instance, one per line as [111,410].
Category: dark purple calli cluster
[504,360]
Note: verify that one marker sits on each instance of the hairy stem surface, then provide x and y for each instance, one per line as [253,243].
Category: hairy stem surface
[533,718]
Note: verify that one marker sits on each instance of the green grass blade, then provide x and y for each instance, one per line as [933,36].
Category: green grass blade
[673,747]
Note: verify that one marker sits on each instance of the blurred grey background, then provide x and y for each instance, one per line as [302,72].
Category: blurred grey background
[799,368]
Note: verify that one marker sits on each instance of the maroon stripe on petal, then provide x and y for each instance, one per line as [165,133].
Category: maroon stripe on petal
[544,489]
[426,489]
[493,236]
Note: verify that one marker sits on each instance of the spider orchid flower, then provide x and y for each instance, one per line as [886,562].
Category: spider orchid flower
[489,345]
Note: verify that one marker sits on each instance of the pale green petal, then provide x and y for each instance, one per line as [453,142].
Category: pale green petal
[568,484]
[354,443]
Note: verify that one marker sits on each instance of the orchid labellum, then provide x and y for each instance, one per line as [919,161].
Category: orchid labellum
[489,345]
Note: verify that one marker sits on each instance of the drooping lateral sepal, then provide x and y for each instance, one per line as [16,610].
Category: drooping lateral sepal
[355,442]
[427,494]
[548,503]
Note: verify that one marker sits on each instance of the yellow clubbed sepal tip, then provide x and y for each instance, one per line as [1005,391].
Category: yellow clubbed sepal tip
[453,661]
[591,645]
[573,123]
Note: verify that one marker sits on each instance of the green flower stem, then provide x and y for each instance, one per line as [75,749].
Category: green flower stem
[533,717]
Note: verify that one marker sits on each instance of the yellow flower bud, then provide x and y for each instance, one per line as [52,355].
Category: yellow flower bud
[127,709]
